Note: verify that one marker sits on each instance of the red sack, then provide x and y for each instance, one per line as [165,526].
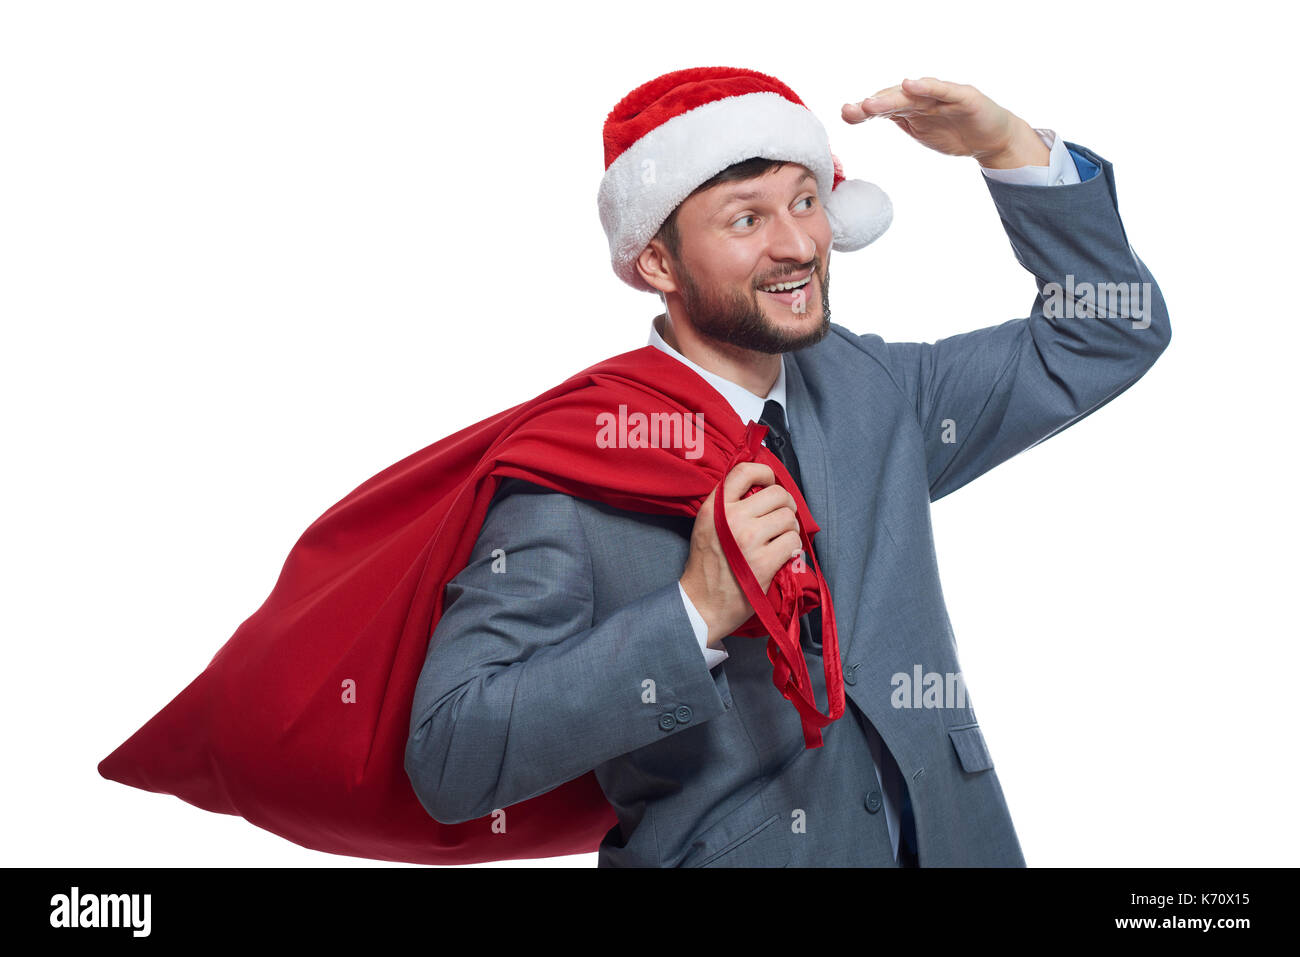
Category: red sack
[264,732]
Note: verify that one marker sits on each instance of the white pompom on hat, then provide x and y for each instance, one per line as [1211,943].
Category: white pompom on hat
[679,130]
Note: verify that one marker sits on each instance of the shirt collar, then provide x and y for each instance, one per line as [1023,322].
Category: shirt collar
[747,405]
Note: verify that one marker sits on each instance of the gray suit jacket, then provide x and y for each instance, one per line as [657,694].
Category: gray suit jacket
[580,654]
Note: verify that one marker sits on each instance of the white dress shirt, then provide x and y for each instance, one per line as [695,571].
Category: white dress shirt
[1059,171]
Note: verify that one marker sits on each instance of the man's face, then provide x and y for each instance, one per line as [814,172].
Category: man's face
[737,238]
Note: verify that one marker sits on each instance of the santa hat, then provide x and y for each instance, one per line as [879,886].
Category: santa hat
[670,135]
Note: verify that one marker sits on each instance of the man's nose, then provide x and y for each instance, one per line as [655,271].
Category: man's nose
[788,239]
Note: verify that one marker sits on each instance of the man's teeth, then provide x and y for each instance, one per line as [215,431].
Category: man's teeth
[786,286]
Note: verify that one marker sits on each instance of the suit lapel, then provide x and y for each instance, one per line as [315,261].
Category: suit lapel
[814,464]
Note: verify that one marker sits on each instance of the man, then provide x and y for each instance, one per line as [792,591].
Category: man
[720,195]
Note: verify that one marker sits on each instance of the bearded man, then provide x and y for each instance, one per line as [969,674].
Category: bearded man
[583,637]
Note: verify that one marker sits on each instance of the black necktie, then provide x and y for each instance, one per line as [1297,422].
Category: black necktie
[779,444]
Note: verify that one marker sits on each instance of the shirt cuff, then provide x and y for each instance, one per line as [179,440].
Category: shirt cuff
[712,656]
[1059,171]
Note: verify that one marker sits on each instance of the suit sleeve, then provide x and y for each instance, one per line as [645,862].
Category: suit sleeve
[1097,324]
[521,690]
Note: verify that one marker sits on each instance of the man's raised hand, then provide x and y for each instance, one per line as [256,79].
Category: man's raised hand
[956,119]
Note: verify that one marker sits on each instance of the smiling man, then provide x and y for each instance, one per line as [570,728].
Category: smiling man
[606,639]
[783,311]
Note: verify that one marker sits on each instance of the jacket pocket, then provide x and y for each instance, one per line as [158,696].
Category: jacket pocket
[751,850]
[972,752]
[751,836]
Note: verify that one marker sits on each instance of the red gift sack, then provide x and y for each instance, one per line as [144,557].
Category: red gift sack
[265,731]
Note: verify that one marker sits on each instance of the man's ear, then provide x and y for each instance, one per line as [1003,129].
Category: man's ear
[656,267]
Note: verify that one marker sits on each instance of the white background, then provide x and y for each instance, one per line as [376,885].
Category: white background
[253,253]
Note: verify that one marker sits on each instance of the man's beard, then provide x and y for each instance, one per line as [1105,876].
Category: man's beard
[740,322]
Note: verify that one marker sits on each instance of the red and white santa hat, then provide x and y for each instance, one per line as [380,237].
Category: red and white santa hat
[670,135]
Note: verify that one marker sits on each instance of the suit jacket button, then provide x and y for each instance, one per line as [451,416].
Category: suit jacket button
[683,714]
[872,801]
[850,675]
[666,721]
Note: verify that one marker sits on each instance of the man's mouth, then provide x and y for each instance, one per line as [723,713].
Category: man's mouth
[786,291]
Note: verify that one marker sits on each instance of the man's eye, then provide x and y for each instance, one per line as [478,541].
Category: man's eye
[810,200]
[743,218]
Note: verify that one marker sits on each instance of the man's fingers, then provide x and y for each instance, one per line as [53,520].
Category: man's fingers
[866,109]
[911,96]
[764,501]
[767,528]
[857,112]
[743,476]
[781,549]
[936,89]
[887,102]
[853,113]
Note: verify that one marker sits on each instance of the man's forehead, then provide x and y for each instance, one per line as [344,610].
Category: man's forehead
[757,188]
